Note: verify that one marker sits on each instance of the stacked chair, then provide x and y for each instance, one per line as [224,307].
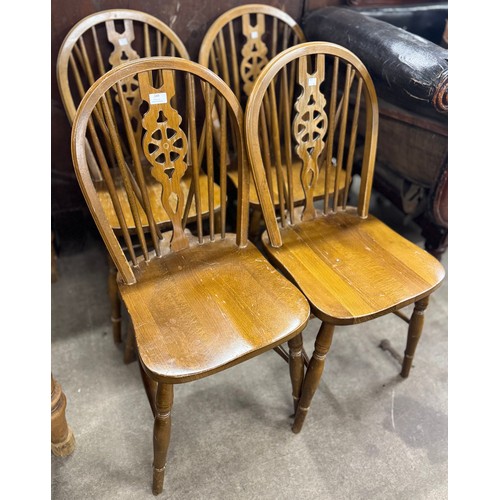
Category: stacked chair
[158,142]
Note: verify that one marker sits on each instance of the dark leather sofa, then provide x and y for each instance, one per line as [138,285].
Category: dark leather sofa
[403,49]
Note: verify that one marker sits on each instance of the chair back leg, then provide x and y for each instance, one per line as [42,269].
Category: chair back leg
[414,332]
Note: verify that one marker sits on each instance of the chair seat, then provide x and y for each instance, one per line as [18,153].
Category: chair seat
[208,307]
[159,213]
[365,268]
[298,192]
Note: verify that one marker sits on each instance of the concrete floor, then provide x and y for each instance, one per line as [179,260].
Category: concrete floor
[369,434]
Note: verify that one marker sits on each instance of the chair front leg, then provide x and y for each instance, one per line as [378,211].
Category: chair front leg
[313,374]
[414,332]
[161,434]
[296,367]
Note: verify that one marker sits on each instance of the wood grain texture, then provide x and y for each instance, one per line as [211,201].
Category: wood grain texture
[115,301]
[237,20]
[414,331]
[110,49]
[254,51]
[165,147]
[224,303]
[296,366]
[314,372]
[354,269]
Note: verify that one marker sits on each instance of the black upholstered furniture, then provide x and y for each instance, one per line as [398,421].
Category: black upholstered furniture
[404,51]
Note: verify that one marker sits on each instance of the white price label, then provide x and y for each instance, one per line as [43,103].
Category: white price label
[159,98]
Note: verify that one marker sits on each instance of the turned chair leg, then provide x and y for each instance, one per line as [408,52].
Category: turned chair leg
[114,297]
[313,374]
[414,332]
[161,435]
[296,366]
[61,435]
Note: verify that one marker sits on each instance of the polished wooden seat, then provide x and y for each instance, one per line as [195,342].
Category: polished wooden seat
[237,46]
[200,301]
[352,257]
[222,284]
[351,266]
[96,44]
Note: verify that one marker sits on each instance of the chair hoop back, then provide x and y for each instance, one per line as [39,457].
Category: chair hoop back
[317,122]
[170,88]
[105,39]
[241,41]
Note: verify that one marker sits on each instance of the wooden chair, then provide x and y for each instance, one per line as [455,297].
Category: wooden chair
[350,266]
[199,302]
[96,44]
[237,47]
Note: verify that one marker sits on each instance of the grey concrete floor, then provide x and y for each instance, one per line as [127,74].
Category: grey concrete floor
[369,434]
